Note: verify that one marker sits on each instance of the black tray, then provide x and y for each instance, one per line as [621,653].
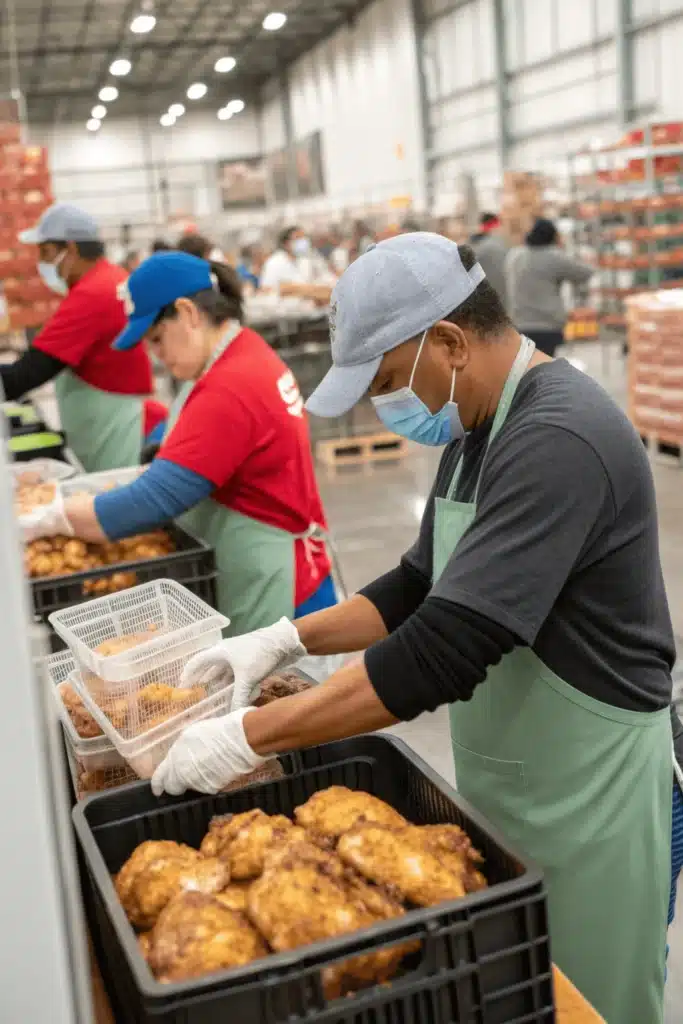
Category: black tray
[193,564]
[484,959]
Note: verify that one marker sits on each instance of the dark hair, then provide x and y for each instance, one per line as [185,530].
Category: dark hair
[195,245]
[286,235]
[224,302]
[483,311]
[542,233]
[91,250]
[488,218]
[159,245]
[410,224]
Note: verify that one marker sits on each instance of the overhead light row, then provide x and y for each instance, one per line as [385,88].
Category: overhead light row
[177,110]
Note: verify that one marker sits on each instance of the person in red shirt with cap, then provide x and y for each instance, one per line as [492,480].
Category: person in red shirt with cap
[100,392]
[236,460]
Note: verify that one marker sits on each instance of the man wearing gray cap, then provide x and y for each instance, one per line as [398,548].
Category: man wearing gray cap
[100,392]
[532,603]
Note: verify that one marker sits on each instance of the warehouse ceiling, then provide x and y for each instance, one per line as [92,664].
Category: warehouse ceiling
[66,47]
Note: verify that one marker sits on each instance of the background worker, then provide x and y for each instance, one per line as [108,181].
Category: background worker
[491,252]
[535,273]
[532,602]
[236,461]
[100,392]
[291,270]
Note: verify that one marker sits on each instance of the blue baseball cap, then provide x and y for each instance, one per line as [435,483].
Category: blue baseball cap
[155,284]
[62,222]
[390,294]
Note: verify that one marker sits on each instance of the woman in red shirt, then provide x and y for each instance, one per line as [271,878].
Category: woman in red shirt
[236,459]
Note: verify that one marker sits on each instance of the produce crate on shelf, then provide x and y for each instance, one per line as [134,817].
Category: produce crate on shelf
[485,957]
[655,333]
[193,563]
[628,215]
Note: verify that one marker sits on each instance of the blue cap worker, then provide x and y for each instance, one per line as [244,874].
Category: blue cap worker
[532,603]
[100,392]
[236,459]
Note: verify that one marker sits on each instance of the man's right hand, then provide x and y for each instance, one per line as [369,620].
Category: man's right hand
[246,660]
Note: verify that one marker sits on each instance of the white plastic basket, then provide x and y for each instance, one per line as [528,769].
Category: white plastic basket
[143,718]
[97,483]
[48,469]
[183,625]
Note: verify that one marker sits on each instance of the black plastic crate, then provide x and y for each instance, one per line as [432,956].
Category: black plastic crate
[193,564]
[484,959]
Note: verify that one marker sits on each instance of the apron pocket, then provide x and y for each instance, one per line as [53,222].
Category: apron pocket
[496,788]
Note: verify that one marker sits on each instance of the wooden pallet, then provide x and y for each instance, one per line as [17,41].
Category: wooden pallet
[666,445]
[354,451]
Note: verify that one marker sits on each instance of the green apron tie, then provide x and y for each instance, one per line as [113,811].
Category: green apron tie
[584,788]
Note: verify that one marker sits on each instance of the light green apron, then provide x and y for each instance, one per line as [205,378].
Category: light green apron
[103,430]
[583,788]
[255,561]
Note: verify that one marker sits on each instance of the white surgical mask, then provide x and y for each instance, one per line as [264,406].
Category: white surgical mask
[301,247]
[50,275]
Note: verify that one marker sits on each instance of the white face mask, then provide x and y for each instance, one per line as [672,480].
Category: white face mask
[301,246]
[51,277]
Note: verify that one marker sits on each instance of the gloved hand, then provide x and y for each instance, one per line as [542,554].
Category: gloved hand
[207,756]
[46,521]
[246,660]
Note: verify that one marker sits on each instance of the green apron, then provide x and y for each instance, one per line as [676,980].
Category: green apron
[255,561]
[103,430]
[583,788]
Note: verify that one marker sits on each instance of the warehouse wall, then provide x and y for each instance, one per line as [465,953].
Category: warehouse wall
[118,172]
[360,88]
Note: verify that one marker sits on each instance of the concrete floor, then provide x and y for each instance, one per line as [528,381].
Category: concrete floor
[374,512]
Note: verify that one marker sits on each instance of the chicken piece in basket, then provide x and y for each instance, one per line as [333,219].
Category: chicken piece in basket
[197,934]
[145,892]
[401,859]
[244,839]
[305,895]
[333,811]
[235,896]
[455,850]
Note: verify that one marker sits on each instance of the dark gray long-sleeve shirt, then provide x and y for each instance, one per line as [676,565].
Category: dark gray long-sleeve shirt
[491,252]
[534,280]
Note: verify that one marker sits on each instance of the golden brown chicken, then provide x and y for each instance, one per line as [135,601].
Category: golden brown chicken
[283,684]
[145,944]
[304,896]
[333,811]
[197,934]
[243,840]
[84,723]
[119,644]
[454,849]
[161,874]
[399,859]
[235,896]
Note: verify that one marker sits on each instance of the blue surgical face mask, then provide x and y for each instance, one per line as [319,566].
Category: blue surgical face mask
[301,246]
[406,414]
[50,275]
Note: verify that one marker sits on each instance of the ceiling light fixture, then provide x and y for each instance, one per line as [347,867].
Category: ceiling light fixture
[98,112]
[108,94]
[176,110]
[196,91]
[224,114]
[167,120]
[224,64]
[143,23]
[235,106]
[274,22]
[93,125]
[120,67]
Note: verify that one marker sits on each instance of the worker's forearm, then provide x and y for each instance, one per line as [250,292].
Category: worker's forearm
[80,511]
[346,705]
[350,626]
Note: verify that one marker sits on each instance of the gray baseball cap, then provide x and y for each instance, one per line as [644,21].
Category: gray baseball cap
[62,222]
[392,293]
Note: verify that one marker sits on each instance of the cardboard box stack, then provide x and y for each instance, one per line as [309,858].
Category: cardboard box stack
[655,332]
[521,203]
[25,193]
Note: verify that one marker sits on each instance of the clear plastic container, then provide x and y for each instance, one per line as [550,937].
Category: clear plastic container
[97,483]
[167,621]
[46,469]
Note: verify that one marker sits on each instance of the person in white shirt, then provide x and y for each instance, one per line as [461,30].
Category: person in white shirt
[289,271]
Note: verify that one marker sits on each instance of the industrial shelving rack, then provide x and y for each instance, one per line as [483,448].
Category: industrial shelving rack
[627,210]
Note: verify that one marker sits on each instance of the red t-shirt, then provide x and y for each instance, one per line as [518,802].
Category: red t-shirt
[244,428]
[82,330]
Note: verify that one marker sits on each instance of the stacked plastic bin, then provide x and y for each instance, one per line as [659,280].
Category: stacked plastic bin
[126,654]
[25,193]
[655,333]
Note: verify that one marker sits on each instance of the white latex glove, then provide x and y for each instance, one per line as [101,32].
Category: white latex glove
[46,521]
[246,660]
[207,756]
